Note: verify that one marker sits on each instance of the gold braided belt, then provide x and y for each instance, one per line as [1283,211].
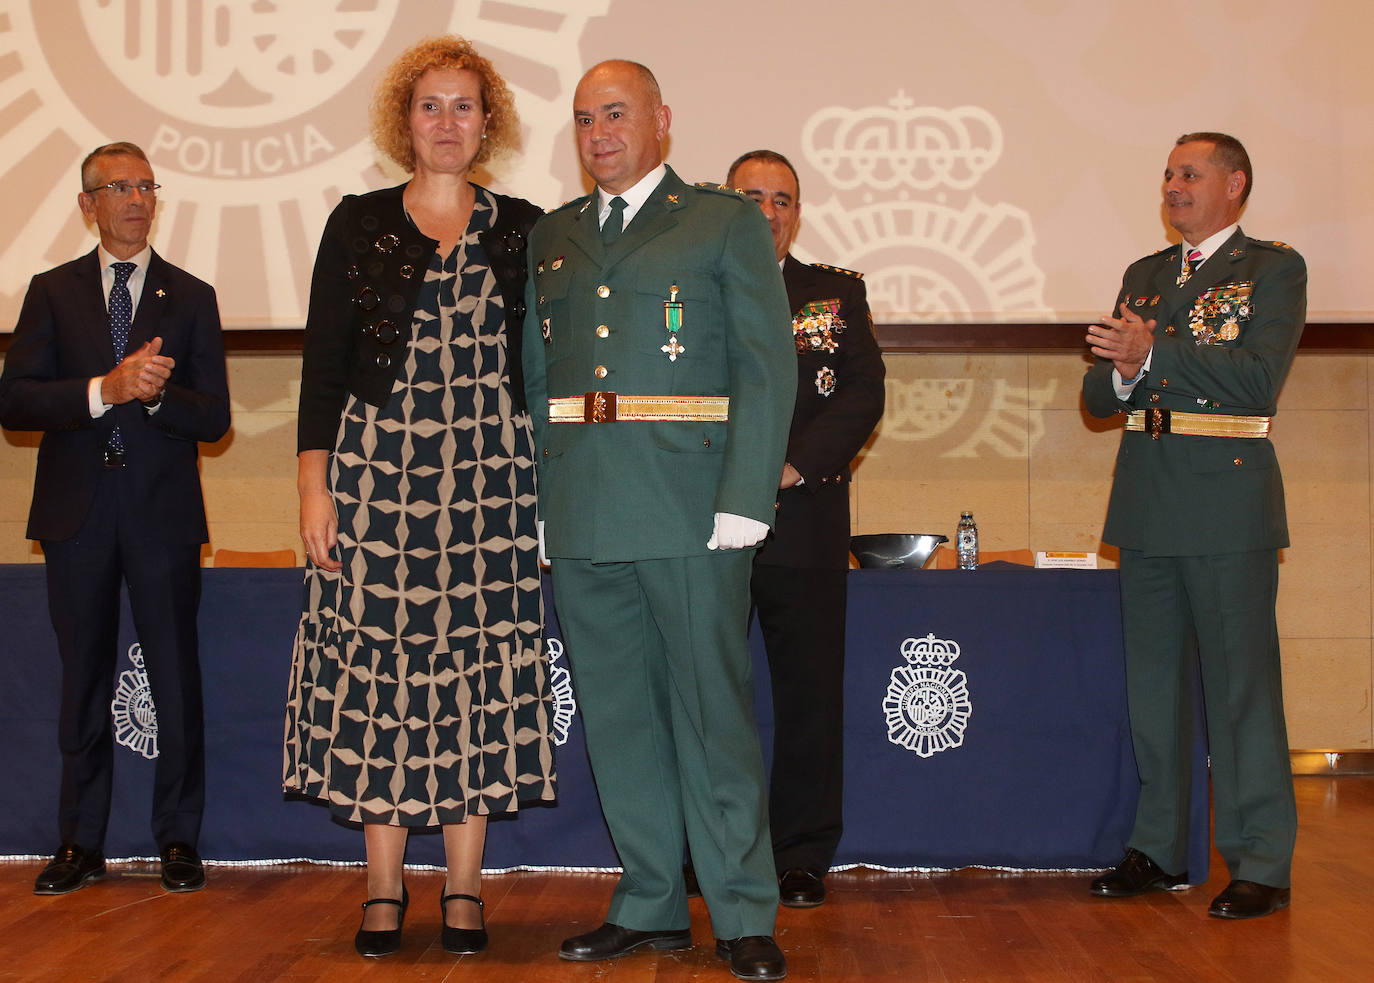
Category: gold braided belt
[602,407]
[1156,422]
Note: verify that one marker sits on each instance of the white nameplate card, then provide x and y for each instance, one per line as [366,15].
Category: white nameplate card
[1066,561]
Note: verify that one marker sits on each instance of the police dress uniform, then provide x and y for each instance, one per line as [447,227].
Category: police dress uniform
[654,622]
[800,573]
[1197,511]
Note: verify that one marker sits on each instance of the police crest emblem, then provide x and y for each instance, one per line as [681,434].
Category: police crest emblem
[560,682]
[135,717]
[927,705]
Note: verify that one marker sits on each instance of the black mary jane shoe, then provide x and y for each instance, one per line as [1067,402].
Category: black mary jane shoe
[386,941]
[462,941]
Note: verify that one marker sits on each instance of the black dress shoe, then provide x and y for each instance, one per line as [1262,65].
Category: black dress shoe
[689,878]
[462,941]
[801,888]
[181,868]
[70,868]
[382,942]
[1248,899]
[1135,875]
[611,941]
[753,957]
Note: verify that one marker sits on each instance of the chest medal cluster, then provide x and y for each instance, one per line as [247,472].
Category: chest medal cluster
[1218,313]
[815,326]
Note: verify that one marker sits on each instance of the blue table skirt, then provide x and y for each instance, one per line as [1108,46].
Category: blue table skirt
[985,725]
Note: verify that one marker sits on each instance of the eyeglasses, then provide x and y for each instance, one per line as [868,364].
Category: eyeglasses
[122,189]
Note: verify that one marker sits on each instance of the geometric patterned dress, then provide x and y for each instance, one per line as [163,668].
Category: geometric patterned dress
[419,691]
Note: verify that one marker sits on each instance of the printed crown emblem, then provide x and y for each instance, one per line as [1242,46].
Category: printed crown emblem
[902,145]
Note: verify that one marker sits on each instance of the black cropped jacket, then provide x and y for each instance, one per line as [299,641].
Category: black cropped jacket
[367,279]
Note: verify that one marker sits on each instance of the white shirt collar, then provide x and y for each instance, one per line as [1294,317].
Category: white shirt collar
[635,197]
[1211,244]
[139,259]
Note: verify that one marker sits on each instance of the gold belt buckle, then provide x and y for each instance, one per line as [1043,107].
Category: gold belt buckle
[598,407]
[1156,422]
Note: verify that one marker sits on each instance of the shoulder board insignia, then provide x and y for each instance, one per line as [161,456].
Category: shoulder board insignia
[1281,245]
[838,269]
[719,189]
[583,200]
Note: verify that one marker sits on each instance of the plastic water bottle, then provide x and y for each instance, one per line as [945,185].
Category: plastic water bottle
[966,542]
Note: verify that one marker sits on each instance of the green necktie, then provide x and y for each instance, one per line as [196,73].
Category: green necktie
[614,224]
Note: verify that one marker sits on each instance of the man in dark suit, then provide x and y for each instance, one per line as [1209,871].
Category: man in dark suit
[117,357]
[660,376]
[1200,341]
[801,571]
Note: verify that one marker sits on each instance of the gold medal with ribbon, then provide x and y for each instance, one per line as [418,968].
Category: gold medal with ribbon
[672,320]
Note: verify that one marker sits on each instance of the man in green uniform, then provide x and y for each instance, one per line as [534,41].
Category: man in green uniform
[1205,336]
[661,377]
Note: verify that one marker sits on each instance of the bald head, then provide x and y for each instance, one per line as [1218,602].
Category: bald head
[620,122]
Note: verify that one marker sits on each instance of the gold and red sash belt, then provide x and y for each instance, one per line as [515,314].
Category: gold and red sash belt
[1156,422]
[603,407]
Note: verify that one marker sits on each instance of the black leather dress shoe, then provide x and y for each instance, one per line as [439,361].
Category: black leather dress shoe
[1248,899]
[462,941]
[753,957]
[611,941]
[801,888]
[689,878]
[1135,875]
[385,941]
[181,868]
[70,868]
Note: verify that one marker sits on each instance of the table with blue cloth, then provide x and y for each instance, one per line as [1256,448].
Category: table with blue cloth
[985,724]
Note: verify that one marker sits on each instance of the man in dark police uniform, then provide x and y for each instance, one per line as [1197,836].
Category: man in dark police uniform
[1195,352]
[801,571]
[661,377]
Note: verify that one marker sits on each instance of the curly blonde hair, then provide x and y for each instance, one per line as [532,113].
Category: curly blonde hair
[390,109]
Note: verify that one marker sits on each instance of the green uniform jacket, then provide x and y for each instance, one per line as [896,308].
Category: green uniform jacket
[595,322]
[1189,495]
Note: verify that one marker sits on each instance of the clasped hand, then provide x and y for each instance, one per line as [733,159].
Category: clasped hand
[141,375]
[1125,341]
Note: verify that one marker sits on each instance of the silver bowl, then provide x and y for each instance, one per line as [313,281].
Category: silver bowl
[895,550]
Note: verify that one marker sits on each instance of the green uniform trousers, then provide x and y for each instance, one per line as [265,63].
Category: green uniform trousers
[1218,609]
[660,662]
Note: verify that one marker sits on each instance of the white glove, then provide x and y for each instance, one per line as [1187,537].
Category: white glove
[543,552]
[734,532]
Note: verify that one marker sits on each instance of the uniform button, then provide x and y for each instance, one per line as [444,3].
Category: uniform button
[383,361]
[602,331]
[776,506]
[546,452]
[1163,383]
[541,298]
[1238,462]
[706,442]
[603,291]
[600,372]
[1154,397]
[1169,329]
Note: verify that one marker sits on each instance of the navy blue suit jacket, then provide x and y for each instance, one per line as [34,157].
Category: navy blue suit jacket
[61,341]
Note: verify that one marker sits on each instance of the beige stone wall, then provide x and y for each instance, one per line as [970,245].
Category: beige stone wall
[1002,435]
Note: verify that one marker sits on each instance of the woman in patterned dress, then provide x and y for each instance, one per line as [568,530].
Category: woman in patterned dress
[419,691]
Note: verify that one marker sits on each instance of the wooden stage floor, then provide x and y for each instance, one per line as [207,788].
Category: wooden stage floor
[296,923]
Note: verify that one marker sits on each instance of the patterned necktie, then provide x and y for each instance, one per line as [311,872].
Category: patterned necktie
[1194,261]
[121,316]
[615,221]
